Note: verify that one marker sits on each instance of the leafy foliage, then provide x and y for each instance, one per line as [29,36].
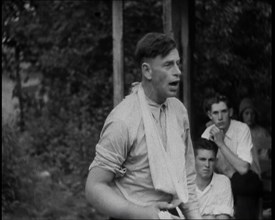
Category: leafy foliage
[233,53]
[70,43]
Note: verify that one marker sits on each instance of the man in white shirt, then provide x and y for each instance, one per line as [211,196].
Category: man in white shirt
[213,190]
[234,157]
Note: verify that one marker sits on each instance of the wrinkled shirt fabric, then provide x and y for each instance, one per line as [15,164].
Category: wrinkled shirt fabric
[122,150]
[216,198]
[238,140]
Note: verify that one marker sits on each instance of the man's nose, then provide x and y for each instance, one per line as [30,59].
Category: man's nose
[177,70]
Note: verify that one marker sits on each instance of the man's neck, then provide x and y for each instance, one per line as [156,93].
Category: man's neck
[202,183]
[226,129]
[149,92]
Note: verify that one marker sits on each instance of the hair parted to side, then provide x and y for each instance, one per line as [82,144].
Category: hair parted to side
[205,144]
[152,45]
[214,99]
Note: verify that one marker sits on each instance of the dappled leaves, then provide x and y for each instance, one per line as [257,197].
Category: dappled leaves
[232,52]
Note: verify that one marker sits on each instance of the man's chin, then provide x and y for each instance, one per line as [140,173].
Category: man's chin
[173,93]
[221,126]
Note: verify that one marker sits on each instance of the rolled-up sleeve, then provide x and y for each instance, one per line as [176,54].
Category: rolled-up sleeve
[112,148]
[245,145]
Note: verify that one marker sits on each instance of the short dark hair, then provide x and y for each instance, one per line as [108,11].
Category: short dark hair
[216,98]
[152,45]
[205,144]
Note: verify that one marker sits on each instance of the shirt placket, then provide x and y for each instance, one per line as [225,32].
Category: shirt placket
[162,120]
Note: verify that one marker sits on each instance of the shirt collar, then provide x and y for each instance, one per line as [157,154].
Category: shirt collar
[155,107]
[212,180]
[208,186]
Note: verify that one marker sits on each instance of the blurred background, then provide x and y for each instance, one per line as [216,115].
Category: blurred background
[57,87]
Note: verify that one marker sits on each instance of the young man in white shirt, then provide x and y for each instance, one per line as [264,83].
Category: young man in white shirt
[213,190]
[234,157]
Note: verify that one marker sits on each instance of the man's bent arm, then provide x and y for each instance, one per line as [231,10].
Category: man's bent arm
[222,216]
[241,166]
[100,192]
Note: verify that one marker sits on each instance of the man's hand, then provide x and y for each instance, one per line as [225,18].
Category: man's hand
[153,211]
[218,135]
[209,216]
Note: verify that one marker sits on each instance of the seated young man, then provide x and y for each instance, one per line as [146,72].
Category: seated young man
[213,190]
[235,157]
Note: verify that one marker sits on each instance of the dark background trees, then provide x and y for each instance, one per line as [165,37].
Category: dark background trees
[233,53]
[70,44]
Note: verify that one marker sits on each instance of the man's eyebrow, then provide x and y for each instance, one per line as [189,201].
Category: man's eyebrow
[201,157]
[172,61]
[168,62]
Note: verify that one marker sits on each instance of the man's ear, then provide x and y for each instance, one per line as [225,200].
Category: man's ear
[231,111]
[146,71]
[209,115]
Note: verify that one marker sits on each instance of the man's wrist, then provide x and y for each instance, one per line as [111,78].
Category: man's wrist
[139,212]
[133,211]
[221,145]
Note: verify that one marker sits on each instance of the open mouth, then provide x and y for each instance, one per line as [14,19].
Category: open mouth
[175,83]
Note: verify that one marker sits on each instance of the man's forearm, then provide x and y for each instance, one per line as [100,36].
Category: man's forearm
[223,216]
[110,202]
[190,212]
[209,216]
[241,166]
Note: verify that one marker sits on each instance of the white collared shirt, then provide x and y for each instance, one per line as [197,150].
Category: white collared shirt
[238,140]
[122,150]
[216,198]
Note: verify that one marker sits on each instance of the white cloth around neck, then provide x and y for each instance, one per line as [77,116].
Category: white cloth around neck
[167,166]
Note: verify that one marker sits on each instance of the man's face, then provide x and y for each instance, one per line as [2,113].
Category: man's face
[204,162]
[165,76]
[220,115]
[248,116]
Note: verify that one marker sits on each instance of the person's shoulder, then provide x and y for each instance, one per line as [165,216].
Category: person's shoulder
[178,109]
[206,133]
[176,104]
[127,110]
[261,130]
[238,125]
[221,179]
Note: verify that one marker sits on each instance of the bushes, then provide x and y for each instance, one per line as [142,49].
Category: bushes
[45,167]
[18,172]
[28,191]
[10,153]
